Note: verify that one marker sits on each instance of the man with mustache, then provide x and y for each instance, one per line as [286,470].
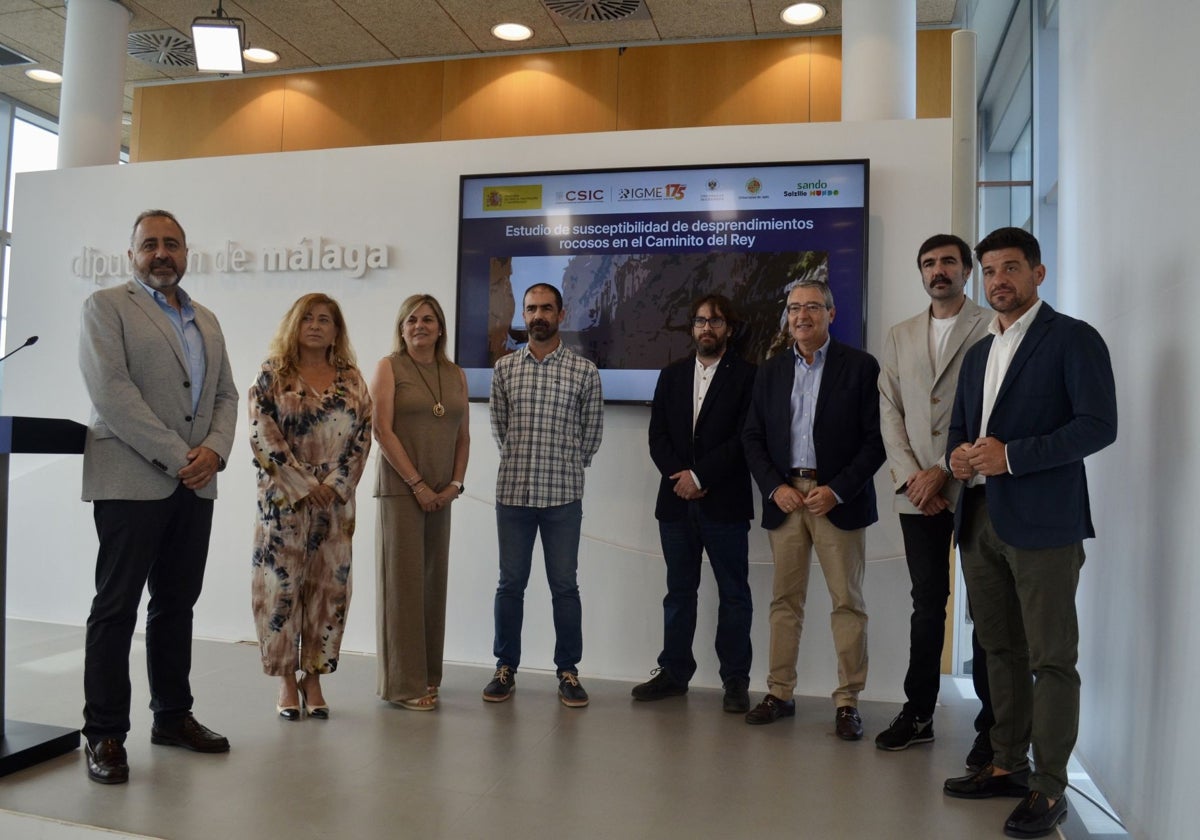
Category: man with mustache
[704,503]
[1034,399]
[164,408]
[547,415]
[920,363]
[812,443]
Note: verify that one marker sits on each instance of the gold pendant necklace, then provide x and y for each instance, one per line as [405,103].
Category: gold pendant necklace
[438,409]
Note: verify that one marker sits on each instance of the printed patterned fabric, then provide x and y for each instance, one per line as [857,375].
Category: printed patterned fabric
[301,586]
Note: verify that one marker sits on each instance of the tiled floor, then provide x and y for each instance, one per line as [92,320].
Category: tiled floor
[679,768]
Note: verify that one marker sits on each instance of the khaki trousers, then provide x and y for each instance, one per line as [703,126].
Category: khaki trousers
[842,555]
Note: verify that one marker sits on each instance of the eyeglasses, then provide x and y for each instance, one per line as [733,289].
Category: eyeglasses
[716,323]
[810,308]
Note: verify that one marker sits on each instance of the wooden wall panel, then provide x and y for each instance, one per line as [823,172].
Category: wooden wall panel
[933,72]
[205,119]
[363,106]
[669,86]
[825,74]
[726,83]
[522,95]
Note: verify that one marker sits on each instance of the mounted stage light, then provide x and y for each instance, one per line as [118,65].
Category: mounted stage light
[218,42]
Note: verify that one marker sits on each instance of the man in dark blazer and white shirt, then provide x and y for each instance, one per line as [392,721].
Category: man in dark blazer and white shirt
[1034,399]
[813,445]
[164,407]
[704,503]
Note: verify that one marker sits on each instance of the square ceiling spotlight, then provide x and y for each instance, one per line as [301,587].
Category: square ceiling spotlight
[218,43]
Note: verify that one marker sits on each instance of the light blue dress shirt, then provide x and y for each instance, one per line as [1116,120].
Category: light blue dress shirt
[190,339]
[805,388]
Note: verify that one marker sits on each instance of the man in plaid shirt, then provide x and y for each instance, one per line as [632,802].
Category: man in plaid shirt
[547,416]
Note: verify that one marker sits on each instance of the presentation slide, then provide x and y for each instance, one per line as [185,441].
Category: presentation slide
[630,250]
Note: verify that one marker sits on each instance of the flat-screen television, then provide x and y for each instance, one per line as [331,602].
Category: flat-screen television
[630,249]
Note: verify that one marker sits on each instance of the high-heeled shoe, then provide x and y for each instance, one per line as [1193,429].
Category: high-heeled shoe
[291,713]
[319,712]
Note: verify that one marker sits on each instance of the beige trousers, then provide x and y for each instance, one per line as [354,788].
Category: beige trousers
[842,555]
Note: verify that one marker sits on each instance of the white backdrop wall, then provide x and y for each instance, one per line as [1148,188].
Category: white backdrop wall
[405,197]
[1127,227]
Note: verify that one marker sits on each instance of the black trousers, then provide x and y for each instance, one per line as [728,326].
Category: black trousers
[927,549]
[927,541]
[160,545]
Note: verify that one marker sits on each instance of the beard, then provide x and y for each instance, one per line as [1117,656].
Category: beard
[1007,300]
[710,347]
[542,330]
[155,280]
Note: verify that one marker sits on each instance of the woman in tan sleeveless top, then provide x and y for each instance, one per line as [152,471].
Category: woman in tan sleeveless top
[422,427]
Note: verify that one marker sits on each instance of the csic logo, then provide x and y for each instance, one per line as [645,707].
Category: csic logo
[586,196]
[667,192]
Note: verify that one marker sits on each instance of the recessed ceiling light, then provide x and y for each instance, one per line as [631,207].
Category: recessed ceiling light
[39,74]
[260,55]
[802,14]
[512,32]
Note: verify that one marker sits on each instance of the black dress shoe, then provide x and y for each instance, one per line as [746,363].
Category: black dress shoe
[106,761]
[848,724]
[660,685]
[190,734]
[984,783]
[737,695]
[1035,816]
[770,710]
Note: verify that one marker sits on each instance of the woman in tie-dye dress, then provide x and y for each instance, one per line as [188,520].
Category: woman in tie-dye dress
[310,429]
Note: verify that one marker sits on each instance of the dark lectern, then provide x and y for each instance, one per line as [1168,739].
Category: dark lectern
[25,744]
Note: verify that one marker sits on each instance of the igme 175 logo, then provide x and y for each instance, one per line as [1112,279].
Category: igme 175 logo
[667,192]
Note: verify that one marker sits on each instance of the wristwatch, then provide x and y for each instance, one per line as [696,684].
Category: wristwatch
[462,488]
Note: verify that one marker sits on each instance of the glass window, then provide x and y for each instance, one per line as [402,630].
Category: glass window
[33,149]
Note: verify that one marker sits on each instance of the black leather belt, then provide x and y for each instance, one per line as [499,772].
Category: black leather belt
[802,472]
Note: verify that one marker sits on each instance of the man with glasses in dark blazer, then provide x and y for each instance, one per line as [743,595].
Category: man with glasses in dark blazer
[705,503]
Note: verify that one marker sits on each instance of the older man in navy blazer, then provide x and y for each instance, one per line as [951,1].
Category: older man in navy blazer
[1034,399]
[813,444]
[704,503]
[164,408]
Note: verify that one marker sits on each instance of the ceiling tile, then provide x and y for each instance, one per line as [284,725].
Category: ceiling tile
[477,23]
[410,27]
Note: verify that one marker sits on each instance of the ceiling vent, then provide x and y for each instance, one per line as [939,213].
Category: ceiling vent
[588,11]
[162,48]
[12,58]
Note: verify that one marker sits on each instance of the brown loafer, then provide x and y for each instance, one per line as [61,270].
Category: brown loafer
[770,710]
[848,723]
[106,761]
[190,734]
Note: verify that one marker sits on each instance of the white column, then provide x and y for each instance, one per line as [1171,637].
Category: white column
[963,121]
[879,60]
[93,90]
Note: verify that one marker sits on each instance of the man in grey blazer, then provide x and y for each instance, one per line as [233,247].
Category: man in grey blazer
[164,408]
[919,371]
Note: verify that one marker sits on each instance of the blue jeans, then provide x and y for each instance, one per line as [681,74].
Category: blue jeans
[517,527]
[727,544]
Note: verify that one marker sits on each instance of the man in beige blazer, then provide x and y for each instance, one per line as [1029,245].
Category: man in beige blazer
[164,408]
[919,372]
